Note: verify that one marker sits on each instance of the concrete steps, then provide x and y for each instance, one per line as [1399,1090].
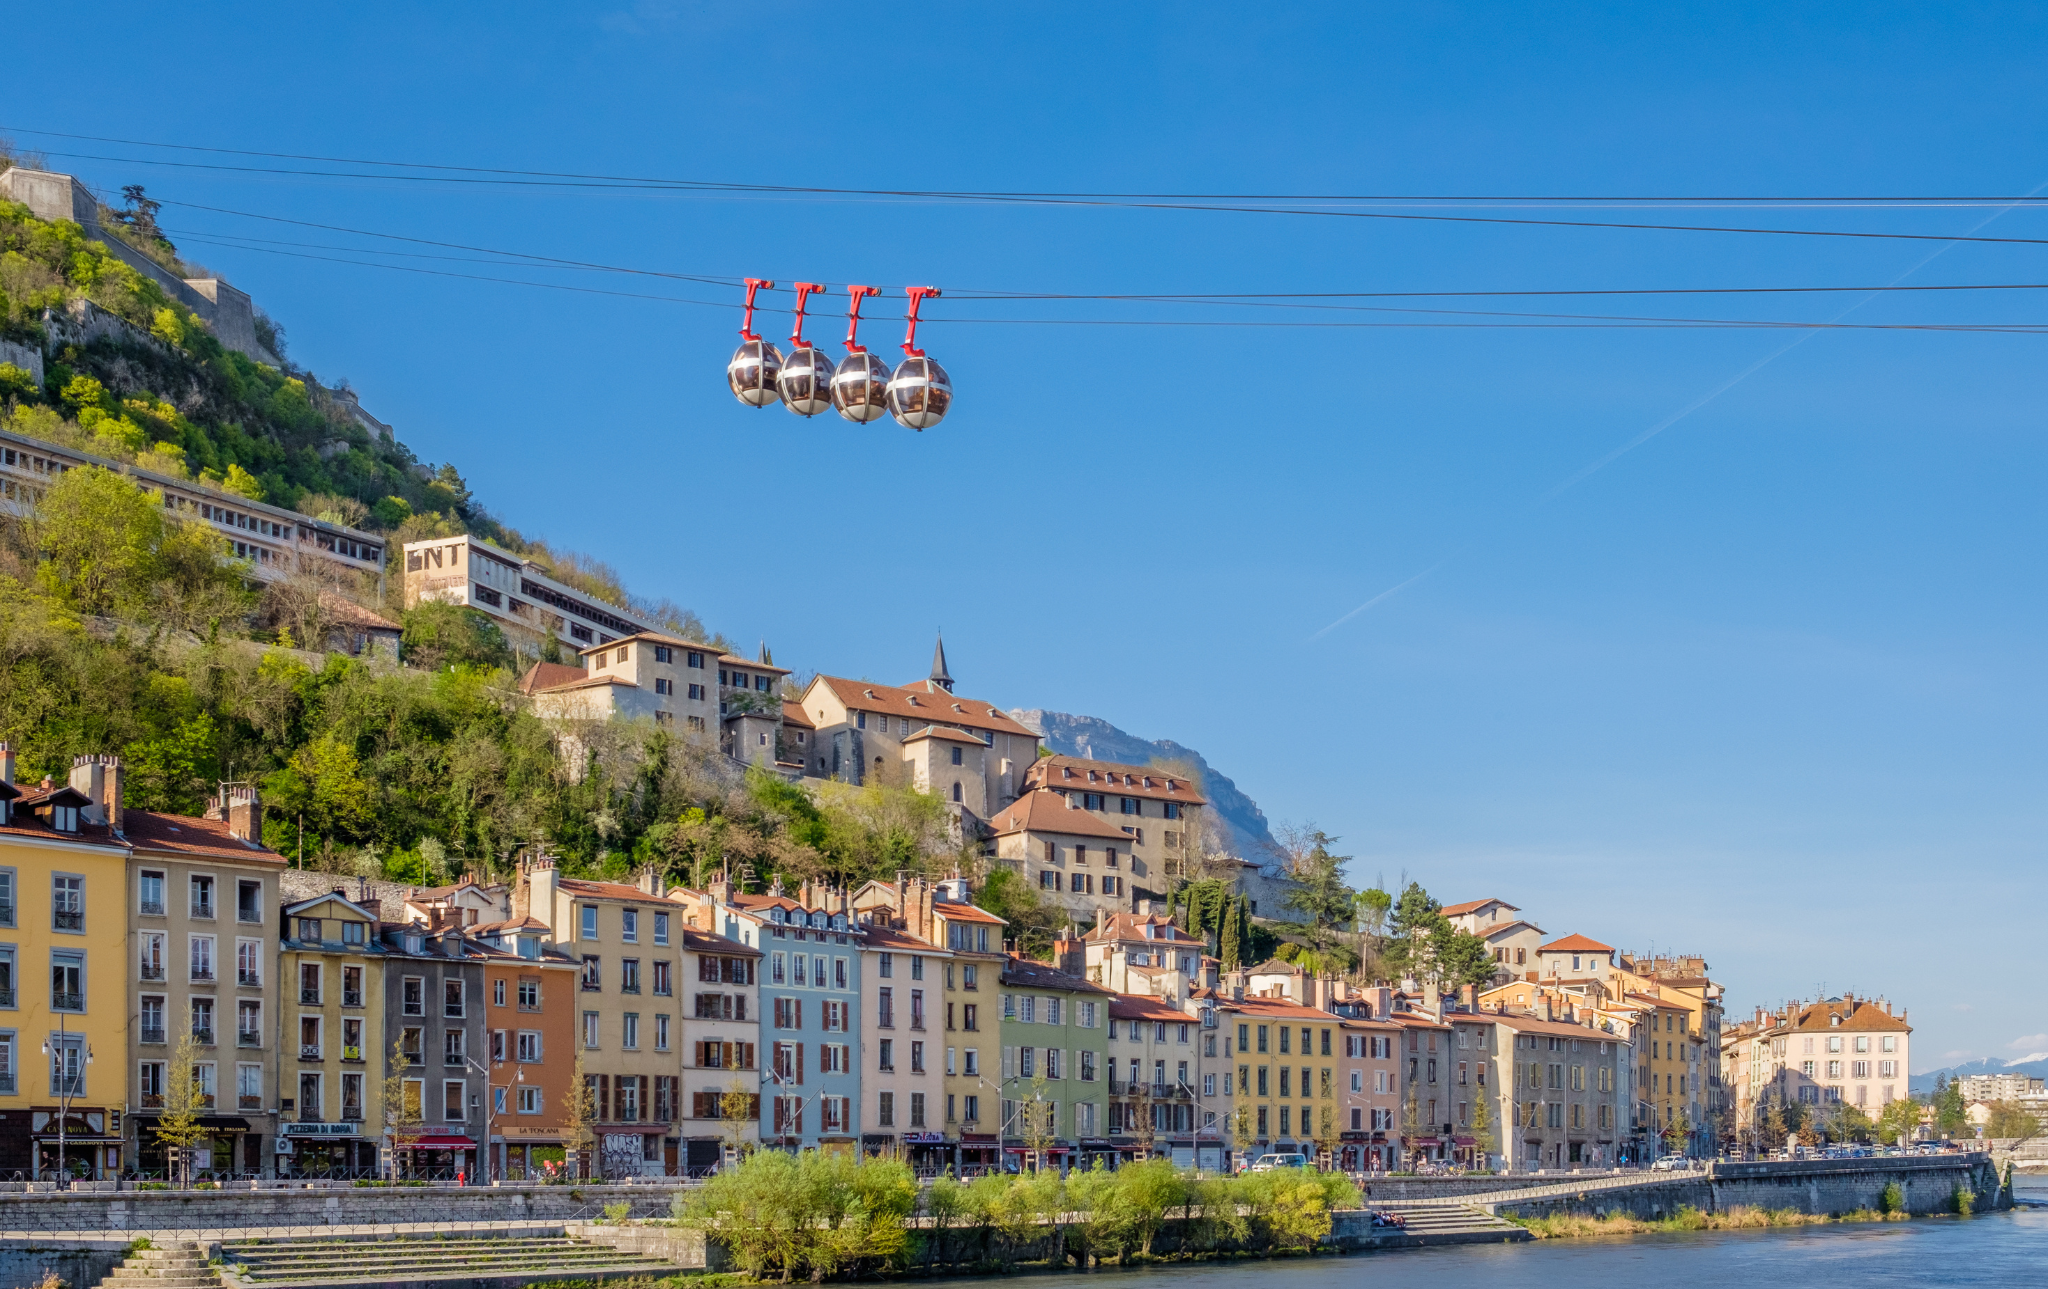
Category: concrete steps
[173,1266]
[1437,1217]
[307,1264]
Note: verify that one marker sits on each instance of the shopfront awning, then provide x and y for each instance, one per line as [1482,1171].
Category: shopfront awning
[224,1122]
[450,1142]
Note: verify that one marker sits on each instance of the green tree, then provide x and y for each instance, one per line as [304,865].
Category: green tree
[1230,939]
[1415,916]
[1895,1123]
[1456,957]
[242,483]
[579,1112]
[1034,925]
[1951,1113]
[185,1104]
[323,783]
[2011,1119]
[1317,890]
[404,1116]
[437,635]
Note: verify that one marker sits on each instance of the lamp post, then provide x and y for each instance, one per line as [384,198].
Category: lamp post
[67,1084]
[483,1160]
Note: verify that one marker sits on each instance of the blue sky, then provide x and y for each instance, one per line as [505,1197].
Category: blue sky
[1766,687]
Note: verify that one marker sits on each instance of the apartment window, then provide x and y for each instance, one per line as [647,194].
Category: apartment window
[249,902]
[151,944]
[629,1035]
[590,1029]
[309,930]
[661,929]
[249,1023]
[351,986]
[529,995]
[629,975]
[150,894]
[529,1100]
[663,685]
[151,1084]
[67,980]
[202,896]
[413,996]
[593,973]
[661,1032]
[589,916]
[67,903]
[249,962]
[453,1095]
[202,957]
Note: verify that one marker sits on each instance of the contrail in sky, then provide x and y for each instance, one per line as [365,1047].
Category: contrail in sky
[1594,467]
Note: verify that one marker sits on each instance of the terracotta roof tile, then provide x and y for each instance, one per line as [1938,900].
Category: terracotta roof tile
[941,732]
[928,707]
[1116,776]
[1044,811]
[546,675]
[1575,944]
[1026,974]
[793,716]
[181,834]
[965,912]
[603,890]
[1473,906]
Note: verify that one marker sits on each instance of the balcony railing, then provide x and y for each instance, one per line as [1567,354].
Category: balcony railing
[152,1100]
[250,977]
[204,1100]
[309,1051]
[249,915]
[247,1102]
[152,971]
[310,997]
[6,998]
[152,908]
[202,975]
[67,1002]
[248,1038]
[6,915]
[351,997]
[351,1114]
[155,1035]
[202,1035]
[68,919]
[414,1058]
[452,1058]
[203,911]
[67,1085]
[7,1084]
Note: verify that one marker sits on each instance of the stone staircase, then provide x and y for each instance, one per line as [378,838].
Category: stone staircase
[1450,1218]
[315,1264]
[168,1266]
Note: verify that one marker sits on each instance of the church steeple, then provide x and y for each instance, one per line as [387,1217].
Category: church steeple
[940,678]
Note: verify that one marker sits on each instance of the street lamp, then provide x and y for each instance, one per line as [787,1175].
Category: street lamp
[67,1085]
[490,1114]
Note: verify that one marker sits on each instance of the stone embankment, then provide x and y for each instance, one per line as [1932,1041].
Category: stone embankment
[1927,1184]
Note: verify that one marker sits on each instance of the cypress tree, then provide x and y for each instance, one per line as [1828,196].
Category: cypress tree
[1230,947]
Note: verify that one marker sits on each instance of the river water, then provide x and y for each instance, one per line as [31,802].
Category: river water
[2007,1249]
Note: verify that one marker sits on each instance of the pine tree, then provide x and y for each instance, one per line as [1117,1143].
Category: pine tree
[1230,941]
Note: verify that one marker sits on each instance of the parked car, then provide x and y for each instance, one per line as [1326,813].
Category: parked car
[1670,1163]
[1267,1163]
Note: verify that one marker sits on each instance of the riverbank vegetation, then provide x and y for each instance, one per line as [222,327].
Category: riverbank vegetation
[823,1216]
[1572,1226]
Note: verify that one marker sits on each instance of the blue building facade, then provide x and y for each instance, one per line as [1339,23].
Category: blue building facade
[810,1018]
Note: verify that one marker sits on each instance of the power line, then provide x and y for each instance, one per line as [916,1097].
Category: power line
[1048,199]
[1144,196]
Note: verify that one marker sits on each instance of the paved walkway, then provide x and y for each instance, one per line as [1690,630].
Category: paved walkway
[113,1239]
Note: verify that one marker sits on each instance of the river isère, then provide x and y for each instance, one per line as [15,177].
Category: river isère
[2005,1249]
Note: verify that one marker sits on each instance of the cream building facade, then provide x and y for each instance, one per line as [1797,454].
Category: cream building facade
[1160,814]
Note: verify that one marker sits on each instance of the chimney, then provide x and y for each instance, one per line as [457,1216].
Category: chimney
[99,777]
[1468,998]
[245,813]
[6,763]
[540,895]
[646,880]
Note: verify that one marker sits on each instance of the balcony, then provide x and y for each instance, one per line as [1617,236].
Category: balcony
[6,998]
[202,975]
[249,978]
[203,911]
[452,1058]
[67,1086]
[354,1054]
[248,1038]
[309,1051]
[202,1036]
[152,971]
[68,919]
[152,1100]
[247,1102]
[252,916]
[7,1084]
[204,1100]
[67,1002]
[351,1114]
[351,997]
[152,908]
[153,1034]
[6,915]
[311,997]
[414,1058]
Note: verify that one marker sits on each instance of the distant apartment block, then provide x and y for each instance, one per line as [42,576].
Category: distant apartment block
[514,592]
[680,684]
[1159,814]
[275,541]
[1999,1087]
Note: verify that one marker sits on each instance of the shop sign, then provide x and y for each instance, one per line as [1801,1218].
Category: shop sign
[317,1129]
[924,1138]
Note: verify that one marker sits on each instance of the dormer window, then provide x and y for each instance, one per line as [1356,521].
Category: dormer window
[64,818]
[529,946]
[776,915]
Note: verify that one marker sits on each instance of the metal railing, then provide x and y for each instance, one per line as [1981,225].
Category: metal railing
[311,997]
[309,1051]
[68,919]
[203,911]
[249,976]
[152,972]
[202,1035]
[152,908]
[249,915]
[248,1038]
[202,975]
[155,1035]
[246,1102]
[67,1002]
[351,997]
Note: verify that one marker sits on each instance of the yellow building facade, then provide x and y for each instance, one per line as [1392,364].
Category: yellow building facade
[63,983]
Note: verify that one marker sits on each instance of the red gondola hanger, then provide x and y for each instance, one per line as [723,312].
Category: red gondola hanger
[858,293]
[917,296]
[754,284]
[803,292]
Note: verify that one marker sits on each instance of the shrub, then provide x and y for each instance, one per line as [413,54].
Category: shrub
[617,1213]
[1893,1200]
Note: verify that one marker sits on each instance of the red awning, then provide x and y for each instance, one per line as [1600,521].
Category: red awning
[443,1143]
[1464,1141]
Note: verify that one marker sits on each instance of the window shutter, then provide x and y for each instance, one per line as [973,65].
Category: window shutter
[799,1063]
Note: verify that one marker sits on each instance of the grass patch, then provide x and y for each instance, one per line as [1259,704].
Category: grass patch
[1574,1227]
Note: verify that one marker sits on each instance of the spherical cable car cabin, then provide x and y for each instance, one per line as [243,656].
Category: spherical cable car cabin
[861,382]
[756,363]
[806,380]
[919,394]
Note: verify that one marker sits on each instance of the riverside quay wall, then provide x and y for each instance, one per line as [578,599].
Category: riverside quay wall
[274,1207]
[1831,1186]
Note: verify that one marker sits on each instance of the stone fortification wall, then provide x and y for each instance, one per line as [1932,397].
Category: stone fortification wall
[1393,1189]
[1816,1186]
